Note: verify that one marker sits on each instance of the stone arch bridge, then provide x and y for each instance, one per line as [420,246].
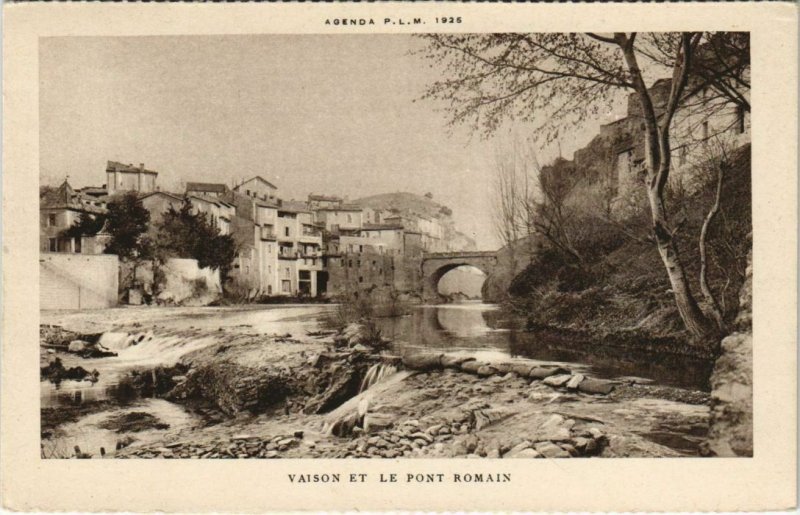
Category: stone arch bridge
[436,264]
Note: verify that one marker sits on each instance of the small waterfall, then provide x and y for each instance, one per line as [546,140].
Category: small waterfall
[376,374]
[146,348]
[384,378]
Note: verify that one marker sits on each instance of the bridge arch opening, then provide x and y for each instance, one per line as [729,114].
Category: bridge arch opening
[458,282]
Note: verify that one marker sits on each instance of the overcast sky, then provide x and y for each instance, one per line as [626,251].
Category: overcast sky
[324,114]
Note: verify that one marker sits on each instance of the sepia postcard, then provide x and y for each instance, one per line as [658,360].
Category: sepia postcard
[441,257]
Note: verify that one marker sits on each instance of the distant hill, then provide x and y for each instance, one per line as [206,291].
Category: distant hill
[402,202]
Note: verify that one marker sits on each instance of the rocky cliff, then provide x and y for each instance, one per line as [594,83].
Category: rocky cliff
[731,431]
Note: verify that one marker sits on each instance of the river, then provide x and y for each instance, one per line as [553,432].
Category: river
[478,328]
[160,336]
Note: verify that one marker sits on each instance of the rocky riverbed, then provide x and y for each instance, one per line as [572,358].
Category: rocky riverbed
[318,394]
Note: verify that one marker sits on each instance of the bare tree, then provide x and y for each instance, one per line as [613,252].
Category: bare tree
[560,80]
[554,219]
[713,162]
[507,215]
[514,190]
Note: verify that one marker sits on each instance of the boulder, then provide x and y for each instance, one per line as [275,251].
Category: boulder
[422,436]
[472,367]
[78,346]
[374,422]
[557,380]
[471,443]
[551,450]
[570,449]
[575,380]
[486,371]
[585,446]
[434,430]
[526,453]
[514,451]
[522,370]
[454,361]
[599,386]
[555,428]
[503,368]
[543,372]
[423,361]
[343,426]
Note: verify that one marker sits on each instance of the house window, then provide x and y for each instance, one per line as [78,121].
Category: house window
[286,231]
[286,286]
[705,130]
[53,245]
[78,245]
[51,220]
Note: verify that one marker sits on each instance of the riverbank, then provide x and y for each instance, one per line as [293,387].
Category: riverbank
[247,393]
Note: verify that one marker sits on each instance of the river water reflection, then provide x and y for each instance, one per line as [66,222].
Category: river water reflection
[472,327]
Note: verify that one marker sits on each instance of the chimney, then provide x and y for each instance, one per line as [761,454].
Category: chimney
[141,166]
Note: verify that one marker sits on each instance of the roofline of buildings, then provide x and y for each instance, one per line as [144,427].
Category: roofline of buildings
[206,186]
[329,198]
[259,178]
[380,227]
[113,166]
[159,192]
[341,208]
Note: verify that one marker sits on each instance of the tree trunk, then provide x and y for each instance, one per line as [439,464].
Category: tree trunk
[693,318]
[657,146]
[713,305]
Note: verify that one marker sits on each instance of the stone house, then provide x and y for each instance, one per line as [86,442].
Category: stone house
[344,218]
[257,188]
[218,212]
[121,178]
[323,201]
[299,250]
[159,202]
[59,209]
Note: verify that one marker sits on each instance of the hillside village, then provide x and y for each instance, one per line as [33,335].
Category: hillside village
[322,246]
